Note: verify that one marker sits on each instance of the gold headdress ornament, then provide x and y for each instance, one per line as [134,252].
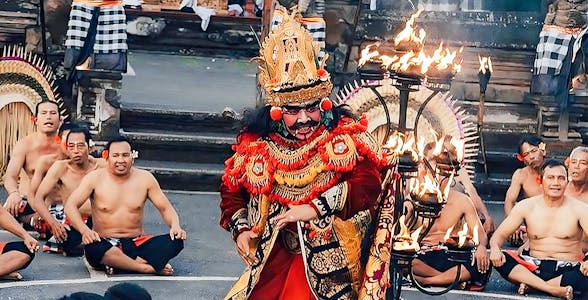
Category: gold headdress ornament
[290,71]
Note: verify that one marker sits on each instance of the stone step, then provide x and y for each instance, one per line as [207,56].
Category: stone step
[183,175]
[180,146]
[161,117]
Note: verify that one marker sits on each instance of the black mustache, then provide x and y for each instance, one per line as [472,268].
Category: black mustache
[311,123]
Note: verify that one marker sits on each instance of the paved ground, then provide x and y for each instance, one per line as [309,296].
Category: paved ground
[195,83]
[204,270]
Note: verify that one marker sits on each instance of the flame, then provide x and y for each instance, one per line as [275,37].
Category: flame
[404,240]
[448,186]
[447,235]
[411,58]
[485,64]
[438,146]
[462,235]
[400,143]
[475,238]
[408,34]
[459,145]
[366,55]
[426,186]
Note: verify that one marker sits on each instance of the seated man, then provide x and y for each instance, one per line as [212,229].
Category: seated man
[25,156]
[15,255]
[118,194]
[578,186]
[52,199]
[432,267]
[531,152]
[555,225]
[65,176]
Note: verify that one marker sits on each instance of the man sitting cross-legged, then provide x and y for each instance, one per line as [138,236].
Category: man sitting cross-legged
[432,266]
[65,176]
[118,194]
[15,255]
[578,176]
[26,155]
[555,225]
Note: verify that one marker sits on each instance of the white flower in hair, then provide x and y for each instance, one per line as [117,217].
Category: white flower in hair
[135,154]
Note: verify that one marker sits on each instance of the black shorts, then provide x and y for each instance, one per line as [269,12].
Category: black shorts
[156,250]
[17,246]
[547,269]
[439,260]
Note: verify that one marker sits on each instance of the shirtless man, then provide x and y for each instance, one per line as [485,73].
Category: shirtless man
[578,174]
[432,267]
[526,180]
[578,186]
[15,255]
[118,194]
[66,175]
[53,198]
[26,154]
[555,225]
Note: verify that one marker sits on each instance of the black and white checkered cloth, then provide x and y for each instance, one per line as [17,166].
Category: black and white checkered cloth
[111,35]
[551,51]
[316,27]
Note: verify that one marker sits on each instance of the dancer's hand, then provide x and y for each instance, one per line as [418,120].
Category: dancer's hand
[295,213]
[244,239]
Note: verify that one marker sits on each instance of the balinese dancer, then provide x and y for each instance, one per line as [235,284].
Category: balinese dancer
[302,187]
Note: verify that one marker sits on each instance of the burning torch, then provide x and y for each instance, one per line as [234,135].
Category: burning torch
[484,77]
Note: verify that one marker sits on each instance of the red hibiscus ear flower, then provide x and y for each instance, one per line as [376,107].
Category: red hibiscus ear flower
[567,162]
[520,158]
[105,154]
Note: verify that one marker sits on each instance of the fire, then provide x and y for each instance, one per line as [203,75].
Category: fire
[414,148]
[400,143]
[447,235]
[408,34]
[426,186]
[462,235]
[366,55]
[459,145]
[404,240]
[410,57]
[448,186]
[485,64]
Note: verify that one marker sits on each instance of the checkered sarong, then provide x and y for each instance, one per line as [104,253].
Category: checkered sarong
[551,51]
[111,35]
[316,27]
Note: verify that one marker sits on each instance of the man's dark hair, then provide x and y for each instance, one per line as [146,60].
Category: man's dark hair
[46,101]
[259,121]
[80,129]
[552,163]
[66,126]
[82,296]
[127,291]
[529,139]
[117,139]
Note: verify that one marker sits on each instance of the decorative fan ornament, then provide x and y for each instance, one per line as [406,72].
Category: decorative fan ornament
[25,80]
[442,114]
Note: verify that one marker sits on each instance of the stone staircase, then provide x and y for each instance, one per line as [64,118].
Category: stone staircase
[185,150]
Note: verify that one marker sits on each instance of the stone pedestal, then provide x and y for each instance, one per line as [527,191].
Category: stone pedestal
[555,122]
[98,102]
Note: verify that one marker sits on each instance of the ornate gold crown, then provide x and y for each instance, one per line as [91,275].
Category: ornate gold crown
[290,71]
